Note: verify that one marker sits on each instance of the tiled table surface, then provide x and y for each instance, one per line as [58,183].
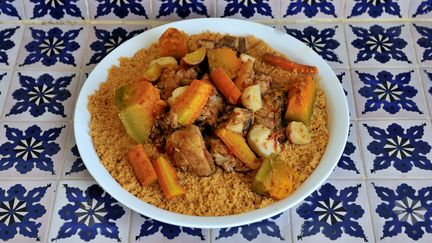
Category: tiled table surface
[381,51]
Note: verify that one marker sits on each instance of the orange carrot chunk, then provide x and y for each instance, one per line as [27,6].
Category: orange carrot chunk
[167,177]
[141,165]
[189,105]
[225,85]
[237,145]
[289,65]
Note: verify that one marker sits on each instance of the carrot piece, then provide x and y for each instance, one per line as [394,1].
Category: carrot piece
[189,105]
[289,65]
[225,85]
[237,145]
[226,58]
[141,165]
[245,74]
[167,177]
[173,42]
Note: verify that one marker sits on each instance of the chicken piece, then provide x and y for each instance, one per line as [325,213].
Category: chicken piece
[186,75]
[237,43]
[239,121]
[224,158]
[263,81]
[270,115]
[188,151]
[206,43]
[210,112]
[174,76]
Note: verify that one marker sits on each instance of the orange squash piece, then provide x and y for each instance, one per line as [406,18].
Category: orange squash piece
[301,101]
[167,177]
[173,42]
[225,58]
[141,165]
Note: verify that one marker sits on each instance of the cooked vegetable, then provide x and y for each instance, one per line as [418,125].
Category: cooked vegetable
[141,165]
[289,65]
[245,75]
[176,94]
[298,133]
[225,85]
[173,42]
[245,57]
[190,104]
[225,58]
[153,73]
[261,141]
[301,100]
[239,121]
[195,57]
[167,177]
[237,145]
[275,178]
[251,98]
[139,104]
[164,61]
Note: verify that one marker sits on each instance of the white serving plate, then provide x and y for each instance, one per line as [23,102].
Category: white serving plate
[338,120]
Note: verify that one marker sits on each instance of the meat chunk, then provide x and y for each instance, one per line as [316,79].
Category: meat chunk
[210,112]
[174,76]
[188,151]
[270,115]
[263,81]
[206,43]
[239,120]
[224,158]
[237,43]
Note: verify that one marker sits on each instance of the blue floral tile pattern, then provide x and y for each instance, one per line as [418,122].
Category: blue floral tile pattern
[74,166]
[23,214]
[427,82]
[10,10]
[85,212]
[247,8]
[402,210]
[376,8]
[379,44]
[424,41]
[312,8]
[335,212]
[181,9]
[326,40]
[104,39]
[422,8]
[401,148]
[119,9]
[56,9]
[344,77]
[10,36]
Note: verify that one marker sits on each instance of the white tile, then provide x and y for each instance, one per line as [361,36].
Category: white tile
[426,74]
[422,38]
[5,77]
[73,167]
[10,35]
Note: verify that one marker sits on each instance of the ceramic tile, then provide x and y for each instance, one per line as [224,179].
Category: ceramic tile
[350,165]
[389,93]
[325,39]
[5,77]
[426,74]
[401,210]
[274,229]
[371,45]
[119,10]
[41,96]
[105,38]
[24,210]
[397,149]
[11,10]
[344,77]
[49,46]
[422,36]
[421,9]
[337,212]
[301,9]
[56,10]
[366,9]
[31,150]
[260,9]
[144,229]
[73,167]
[179,9]
[83,211]
[10,37]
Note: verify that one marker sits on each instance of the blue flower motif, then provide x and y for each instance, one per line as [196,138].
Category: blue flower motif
[30,148]
[6,7]
[247,8]
[345,162]
[41,95]
[182,8]
[405,208]
[389,91]
[52,46]
[151,226]
[424,8]
[251,231]
[89,213]
[107,41]
[403,149]
[380,43]
[55,8]
[425,41]
[6,43]
[430,79]
[332,211]
[322,42]
[78,164]
[310,7]
[340,77]
[19,211]
[375,8]
[120,8]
